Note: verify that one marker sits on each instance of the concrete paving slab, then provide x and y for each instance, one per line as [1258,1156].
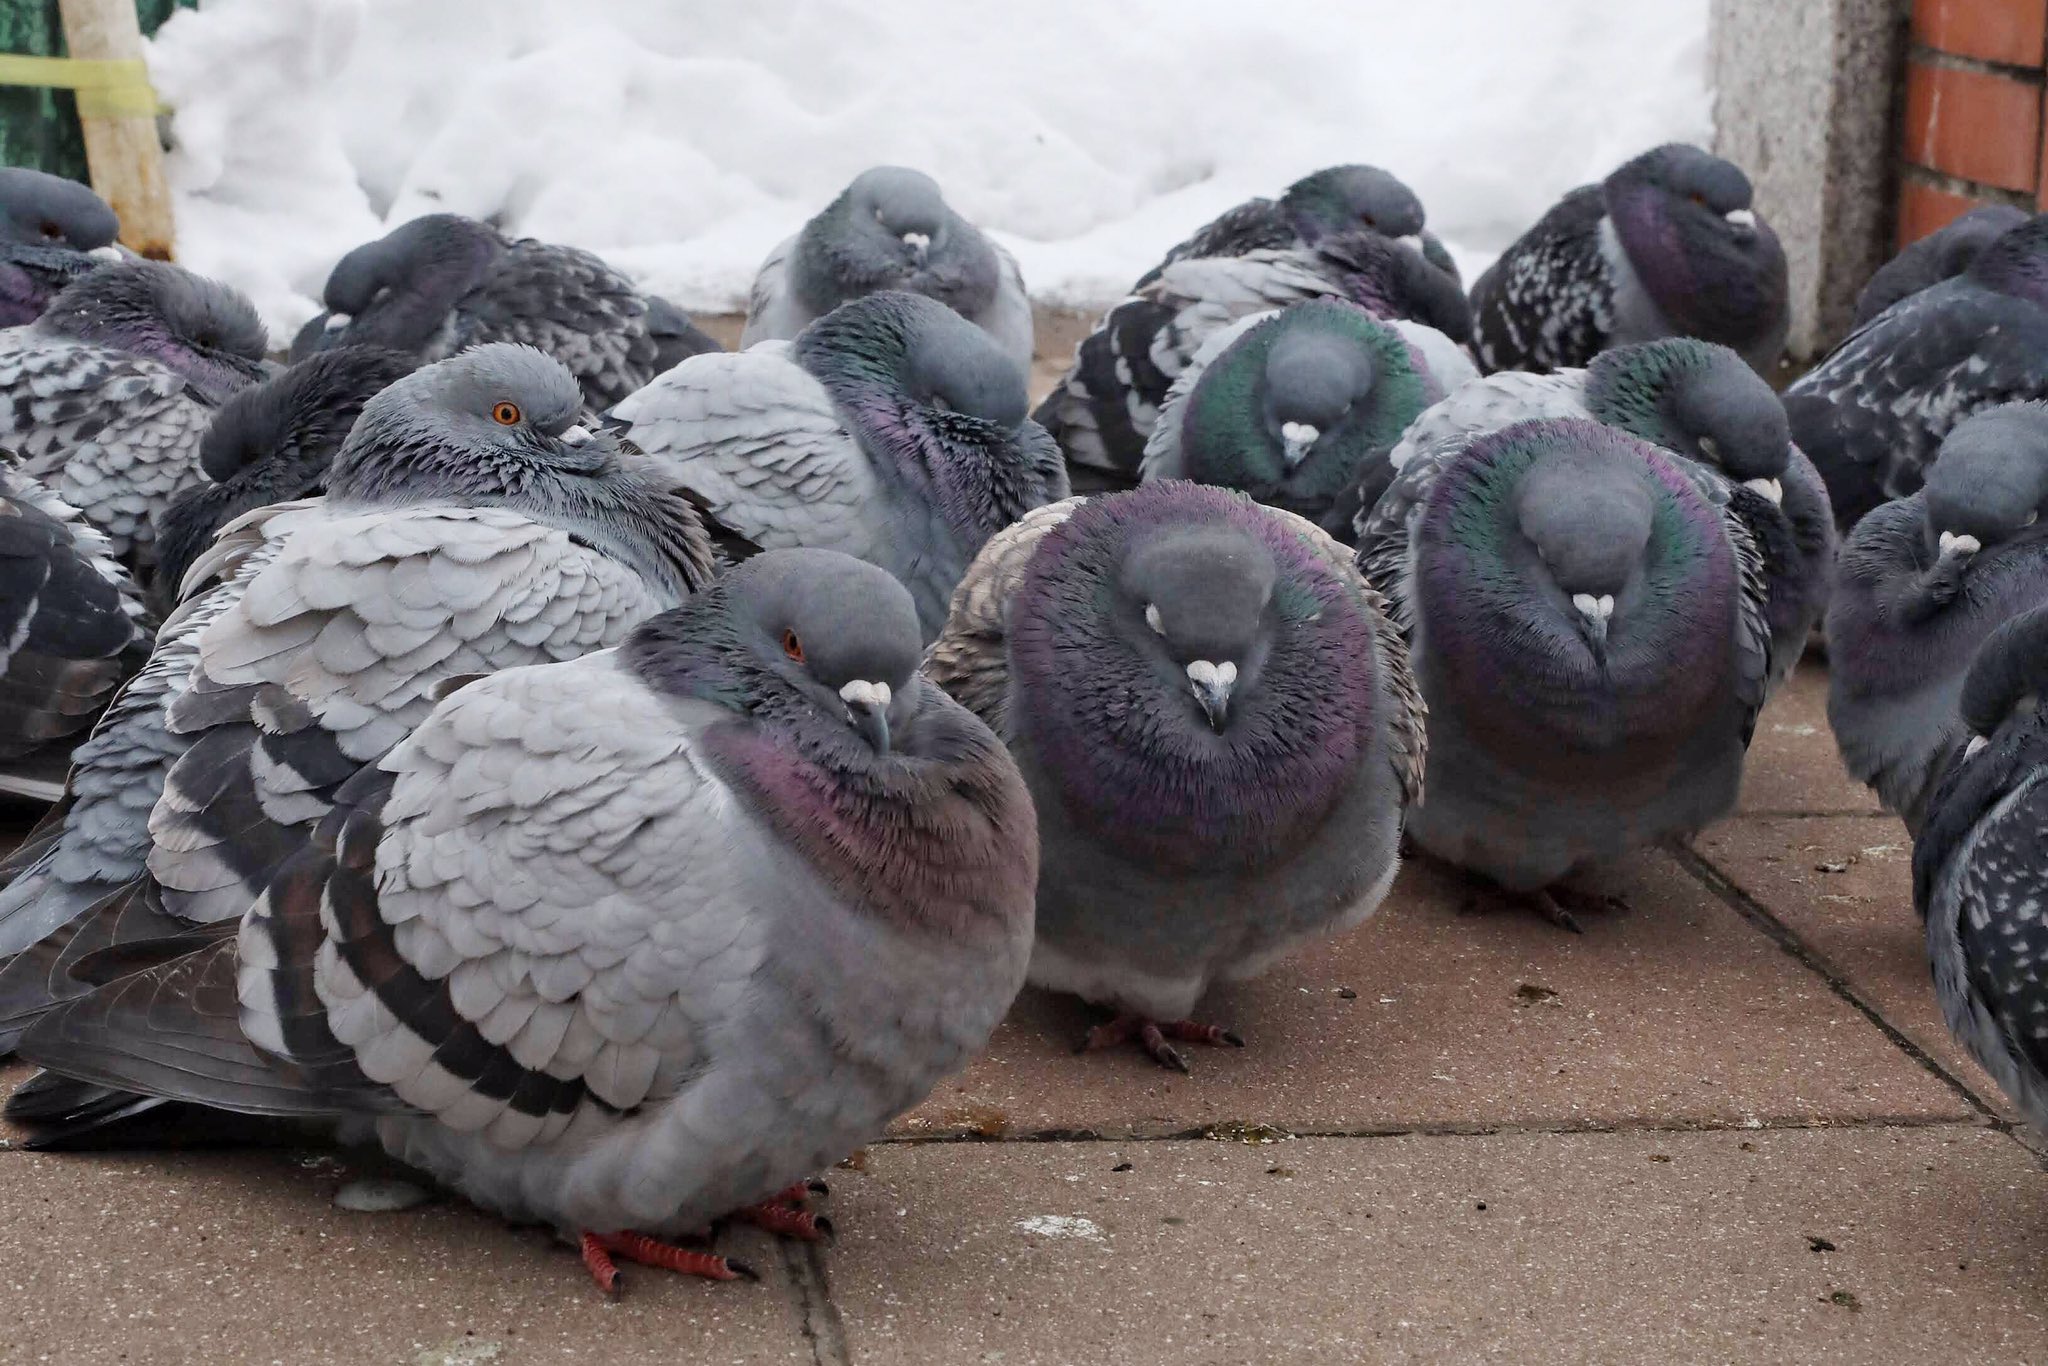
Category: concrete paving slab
[1839,1246]
[228,1258]
[1845,886]
[1793,767]
[1675,1011]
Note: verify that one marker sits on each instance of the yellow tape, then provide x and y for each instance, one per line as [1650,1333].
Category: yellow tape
[106,90]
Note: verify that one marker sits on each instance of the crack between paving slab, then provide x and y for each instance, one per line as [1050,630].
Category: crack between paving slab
[822,1327]
[1256,1134]
[1811,958]
[1776,814]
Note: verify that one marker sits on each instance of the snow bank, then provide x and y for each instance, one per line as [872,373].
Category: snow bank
[682,141]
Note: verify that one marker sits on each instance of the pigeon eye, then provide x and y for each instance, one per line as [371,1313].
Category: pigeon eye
[51,232]
[1697,198]
[1368,220]
[792,647]
[505,413]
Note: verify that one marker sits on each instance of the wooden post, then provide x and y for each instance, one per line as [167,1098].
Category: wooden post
[121,144]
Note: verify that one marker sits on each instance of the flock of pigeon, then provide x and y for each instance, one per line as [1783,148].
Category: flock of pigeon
[617,776]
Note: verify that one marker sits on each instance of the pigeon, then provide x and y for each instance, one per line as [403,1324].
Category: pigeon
[1695,399]
[1104,409]
[1333,200]
[271,443]
[469,525]
[1589,632]
[107,395]
[444,282]
[42,210]
[1978,867]
[1923,581]
[1873,413]
[1290,406]
[1669,245]
[1941,255]
[1219,729]
[891,229]
[625,944]
[892,430]
[72,629]
[676,338]
[32,276]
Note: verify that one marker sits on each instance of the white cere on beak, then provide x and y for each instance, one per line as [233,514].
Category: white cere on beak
[1977,742]
[860,690]
[1769,488]
[1152,619]
[1741,218]
[1710,448]
[1295,440]
[1202,673]
[112,252]
[336,321]
[917,241]
[1412,240]
[576,435]
[2032,518]
[1952,544]
[1592,608]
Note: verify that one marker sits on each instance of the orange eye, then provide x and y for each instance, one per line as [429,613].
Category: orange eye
[504,413]
[792,647]
[1697,198]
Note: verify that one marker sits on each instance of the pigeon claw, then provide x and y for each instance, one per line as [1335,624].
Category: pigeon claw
[1152,1036]
[785,1220]
[598,1249]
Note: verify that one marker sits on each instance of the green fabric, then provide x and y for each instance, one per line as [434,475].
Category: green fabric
[39,128]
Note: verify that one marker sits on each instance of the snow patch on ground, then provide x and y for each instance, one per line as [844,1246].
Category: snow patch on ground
[1061,1226]
[682,142]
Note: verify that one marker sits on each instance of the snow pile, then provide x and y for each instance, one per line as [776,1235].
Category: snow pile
[683,141]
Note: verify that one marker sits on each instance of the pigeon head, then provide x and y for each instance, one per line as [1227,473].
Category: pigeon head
[1195,680]
[1939,256]
[1572,581]
[496,426]
[398,290]
[1346,198]
[1389,280]
[2016,261]
[37,209]
[1990,481]
[307,408]
[945,374]
[1294,409]
[2007,677]
[202,329]
[892,229]
[1686,221]
[31,276]
[1699,399]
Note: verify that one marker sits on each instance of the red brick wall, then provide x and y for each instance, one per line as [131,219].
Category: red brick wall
[1974,105]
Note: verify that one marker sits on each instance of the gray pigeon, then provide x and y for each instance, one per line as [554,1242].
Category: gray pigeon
[676,338]
[1589,631]
[1669,245]
[1336,199]
[891,430]
[1978,867]
[652,934]
[42,210]
[1291,407]
[442,282]
[271,443]
[1219,729]
[1697,400]
[72,630]
[1873,413]
[107,395]
[1941,255]
[1104,409]
[891,229]
[1923,581]
[468,526]
[32,276]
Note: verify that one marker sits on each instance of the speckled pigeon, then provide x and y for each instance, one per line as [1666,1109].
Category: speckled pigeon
[72,630]
[1981,861]
[626,944]
[1695,399]
[443,282]
[1669,245]
[468,526]
[1873,413]
[271,443]
[1103,410]
[891,229]
[892,430]
[1292,406]
[107,395]
[1923,581]
[1336,199]
[1941,255]
[1219,729]
[1589,632]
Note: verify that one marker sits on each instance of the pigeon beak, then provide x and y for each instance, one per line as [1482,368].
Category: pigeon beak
[111,252]
[1744,219]
[919,243]
[576,435]
[1767,488]
[867,711]
[1594,614]
[1959,547]
[1977,742]
[1212,684]
[335,323]
[1413,241]
[1295,440]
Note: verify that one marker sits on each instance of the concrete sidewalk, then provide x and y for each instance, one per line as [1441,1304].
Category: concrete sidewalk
[1726,1124]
